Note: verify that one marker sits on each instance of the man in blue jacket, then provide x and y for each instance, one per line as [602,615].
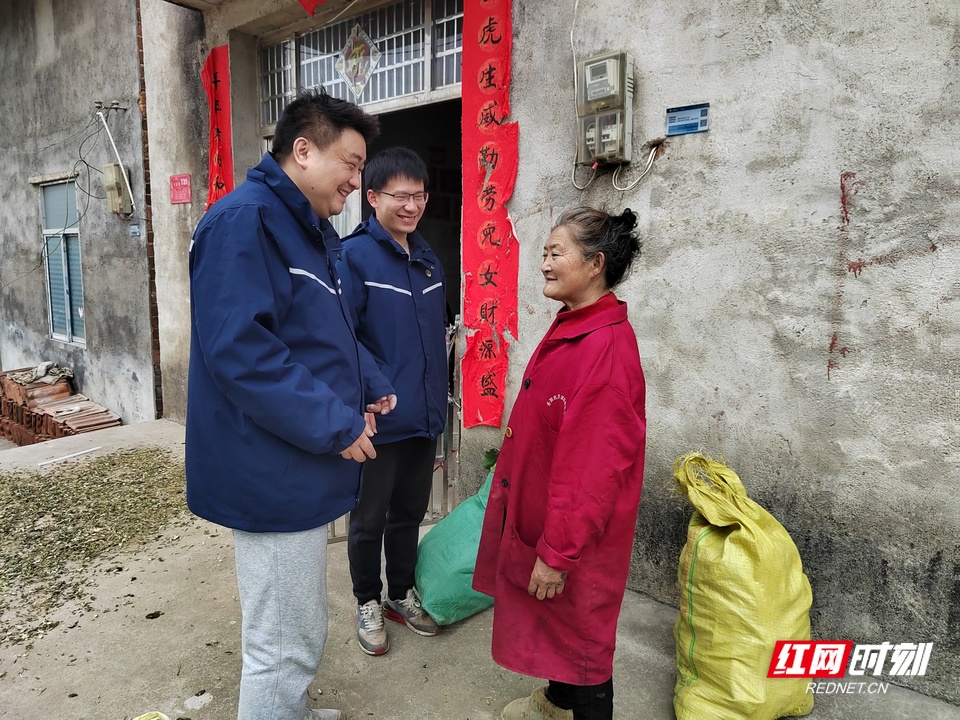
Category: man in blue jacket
[396,287]
[278,390]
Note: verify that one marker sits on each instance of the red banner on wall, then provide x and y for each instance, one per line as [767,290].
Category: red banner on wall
[216,82]
[490,252]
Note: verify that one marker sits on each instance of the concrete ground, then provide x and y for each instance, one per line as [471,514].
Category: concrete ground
[114,662]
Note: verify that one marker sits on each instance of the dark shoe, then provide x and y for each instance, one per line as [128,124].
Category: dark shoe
[409,612]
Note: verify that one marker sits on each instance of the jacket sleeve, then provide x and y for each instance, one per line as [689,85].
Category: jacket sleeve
[375,383]
[595,449]
[237,282]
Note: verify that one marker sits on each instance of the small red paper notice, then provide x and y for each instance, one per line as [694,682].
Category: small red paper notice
[180,190]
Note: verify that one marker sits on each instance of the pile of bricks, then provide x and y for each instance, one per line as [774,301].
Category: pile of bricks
[43,411]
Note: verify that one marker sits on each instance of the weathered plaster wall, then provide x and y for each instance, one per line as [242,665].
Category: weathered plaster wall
[797,304]
[58,58]
[174,52]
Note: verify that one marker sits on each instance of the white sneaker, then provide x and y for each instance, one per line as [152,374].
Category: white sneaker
[324,715]
[371,634]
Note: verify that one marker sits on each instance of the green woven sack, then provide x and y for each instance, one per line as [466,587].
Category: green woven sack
[446,559]
[742,588]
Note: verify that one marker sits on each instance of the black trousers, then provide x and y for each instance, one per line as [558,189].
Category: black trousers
[393,501]
[588,702]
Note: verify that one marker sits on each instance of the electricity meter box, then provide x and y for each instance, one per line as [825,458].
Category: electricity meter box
[605,108]
[115,183]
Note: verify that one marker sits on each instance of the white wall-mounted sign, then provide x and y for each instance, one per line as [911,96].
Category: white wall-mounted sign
[688,119]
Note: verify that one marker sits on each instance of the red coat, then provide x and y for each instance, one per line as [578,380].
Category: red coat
[567,488]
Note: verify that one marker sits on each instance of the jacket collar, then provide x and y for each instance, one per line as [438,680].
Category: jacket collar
[608,310]
[272,175]
[419,249]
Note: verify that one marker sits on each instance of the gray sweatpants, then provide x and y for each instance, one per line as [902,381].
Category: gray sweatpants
[282,579]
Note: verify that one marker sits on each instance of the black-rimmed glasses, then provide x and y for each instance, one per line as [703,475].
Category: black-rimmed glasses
[403,198]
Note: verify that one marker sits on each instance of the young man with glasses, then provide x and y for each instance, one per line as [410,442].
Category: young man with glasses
[397,291]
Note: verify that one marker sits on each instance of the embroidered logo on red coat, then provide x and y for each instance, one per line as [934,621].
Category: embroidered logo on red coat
[561,398]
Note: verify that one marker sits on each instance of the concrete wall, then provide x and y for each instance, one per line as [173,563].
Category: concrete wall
[797,304]
[58,59]
[174,52]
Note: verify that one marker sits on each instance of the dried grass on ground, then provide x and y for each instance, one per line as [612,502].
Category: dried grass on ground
[58,523]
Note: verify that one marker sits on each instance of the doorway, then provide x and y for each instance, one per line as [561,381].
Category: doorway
[433,131]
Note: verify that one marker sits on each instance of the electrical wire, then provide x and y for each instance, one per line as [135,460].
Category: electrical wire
[80,132]
[44,250]
[576,96]
[83,159]
[573,51]
[631,186]
[342,12]
[123,172]
[573,177]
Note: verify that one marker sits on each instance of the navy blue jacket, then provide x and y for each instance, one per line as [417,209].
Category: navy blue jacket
[275,387]
[401,315]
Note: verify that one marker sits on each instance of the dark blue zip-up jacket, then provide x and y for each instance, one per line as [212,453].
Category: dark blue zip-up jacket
[401,314]
[275,386]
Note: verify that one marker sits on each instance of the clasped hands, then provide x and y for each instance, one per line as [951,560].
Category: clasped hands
[362,448]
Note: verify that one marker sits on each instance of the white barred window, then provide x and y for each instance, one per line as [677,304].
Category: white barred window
[419,45]
[447,41]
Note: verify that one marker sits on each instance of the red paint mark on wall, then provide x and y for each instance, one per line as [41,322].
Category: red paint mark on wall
[835,349]
[856,267]
[849,186]
[892,258]
[845,266]
[835,346]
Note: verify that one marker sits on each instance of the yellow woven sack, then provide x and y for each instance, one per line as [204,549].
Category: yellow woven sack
[742,588]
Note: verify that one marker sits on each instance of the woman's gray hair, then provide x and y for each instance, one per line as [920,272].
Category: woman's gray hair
[596,231]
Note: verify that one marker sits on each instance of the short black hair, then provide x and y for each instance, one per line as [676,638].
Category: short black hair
[392,163]
[321,119]
[596,231]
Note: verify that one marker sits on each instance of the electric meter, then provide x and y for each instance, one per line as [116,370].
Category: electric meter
[605,108]
[115,183]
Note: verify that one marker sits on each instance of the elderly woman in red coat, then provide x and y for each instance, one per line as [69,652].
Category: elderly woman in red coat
[559,525]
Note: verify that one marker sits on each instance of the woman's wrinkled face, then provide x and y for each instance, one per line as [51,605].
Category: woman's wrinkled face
[568,276]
